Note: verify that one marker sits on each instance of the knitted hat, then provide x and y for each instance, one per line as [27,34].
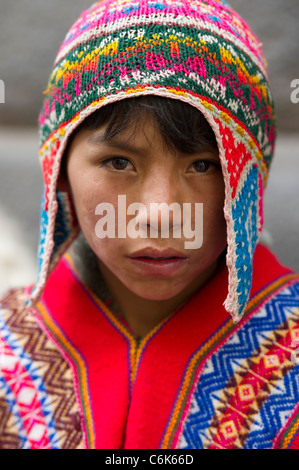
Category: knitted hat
[197,51]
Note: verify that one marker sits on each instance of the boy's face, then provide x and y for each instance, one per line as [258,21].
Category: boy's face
[139,166]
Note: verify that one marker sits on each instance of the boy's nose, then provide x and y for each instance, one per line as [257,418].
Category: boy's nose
[160,188]
[162,199]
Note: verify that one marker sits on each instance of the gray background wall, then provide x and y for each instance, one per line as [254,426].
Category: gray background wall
[31,32]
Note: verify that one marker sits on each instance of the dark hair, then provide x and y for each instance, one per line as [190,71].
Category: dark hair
[181,125]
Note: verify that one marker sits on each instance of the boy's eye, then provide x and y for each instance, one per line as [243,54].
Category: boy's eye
[117,163]
[203,166]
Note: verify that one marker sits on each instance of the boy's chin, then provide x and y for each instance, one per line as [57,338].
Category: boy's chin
[157,293]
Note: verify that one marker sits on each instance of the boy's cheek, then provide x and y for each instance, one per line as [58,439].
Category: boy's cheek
[108,251]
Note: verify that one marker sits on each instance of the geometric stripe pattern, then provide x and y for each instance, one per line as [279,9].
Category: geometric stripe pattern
[249,386]
[288,438]
[38,407]
[275,410]
[78,365]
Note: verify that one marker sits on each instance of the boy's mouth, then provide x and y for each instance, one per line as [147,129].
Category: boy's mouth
[154,253]
[158,263]
[153,257]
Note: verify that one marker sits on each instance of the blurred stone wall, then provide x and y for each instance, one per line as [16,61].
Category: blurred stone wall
[31,32]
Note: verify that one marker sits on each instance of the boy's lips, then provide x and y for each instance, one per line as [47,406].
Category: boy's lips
[158,262]
[155,253]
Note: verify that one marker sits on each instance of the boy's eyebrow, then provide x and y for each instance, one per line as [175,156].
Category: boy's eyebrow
[100,139]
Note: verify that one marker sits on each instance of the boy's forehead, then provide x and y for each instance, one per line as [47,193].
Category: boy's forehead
[129,131]
[137,136]
[127,139]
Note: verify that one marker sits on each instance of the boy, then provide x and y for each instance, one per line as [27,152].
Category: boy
[158,320]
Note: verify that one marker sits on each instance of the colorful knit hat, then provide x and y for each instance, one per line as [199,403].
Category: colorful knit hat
[197,51]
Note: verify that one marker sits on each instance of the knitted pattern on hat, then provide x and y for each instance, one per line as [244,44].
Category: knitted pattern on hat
[197,51]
